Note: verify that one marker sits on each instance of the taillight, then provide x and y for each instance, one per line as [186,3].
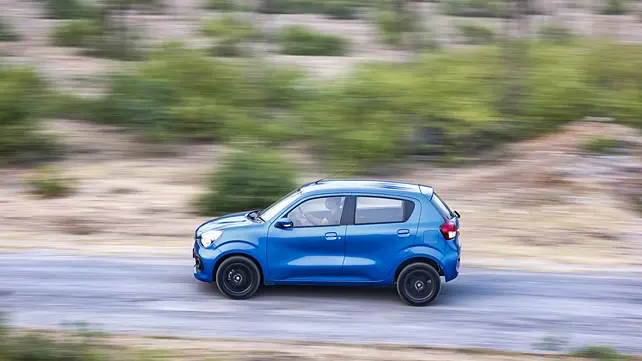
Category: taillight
[449,230]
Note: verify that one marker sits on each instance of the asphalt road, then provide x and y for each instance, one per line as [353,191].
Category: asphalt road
[494,309]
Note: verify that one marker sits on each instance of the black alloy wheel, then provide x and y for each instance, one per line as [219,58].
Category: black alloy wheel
[418,284]
[238,277]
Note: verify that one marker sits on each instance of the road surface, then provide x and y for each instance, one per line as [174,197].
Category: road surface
[483,308]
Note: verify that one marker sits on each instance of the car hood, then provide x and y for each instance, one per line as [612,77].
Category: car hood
[224,222]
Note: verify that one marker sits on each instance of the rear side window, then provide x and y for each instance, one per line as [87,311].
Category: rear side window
[441,206]
[373,210]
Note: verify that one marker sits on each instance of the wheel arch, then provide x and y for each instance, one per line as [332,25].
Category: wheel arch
[242,254]
[419,259]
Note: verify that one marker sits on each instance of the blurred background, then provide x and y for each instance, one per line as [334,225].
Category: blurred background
[126,123]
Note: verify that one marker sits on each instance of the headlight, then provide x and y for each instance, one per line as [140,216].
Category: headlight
[210,237]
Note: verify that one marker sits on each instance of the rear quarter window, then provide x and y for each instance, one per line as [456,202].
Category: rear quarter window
[373,210]
[441,206]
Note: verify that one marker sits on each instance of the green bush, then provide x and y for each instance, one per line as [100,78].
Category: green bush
[602,353]
[391,27]
[231,31]
[181,94]
[68,106]
[555,34]
[7,33]
[340,9]
[70,9]
[22,94]
[77,33]
[49,182]
[246,181]
[446,105]
[616,7]
[475,8]
[337,9]
[476,34]
[223,5]
[601,145]
[298,40]
[228,26]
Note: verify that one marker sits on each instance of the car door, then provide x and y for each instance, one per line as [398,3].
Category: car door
[383,229]
[310,251]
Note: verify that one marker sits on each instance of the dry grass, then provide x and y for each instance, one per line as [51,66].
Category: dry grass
[167,347]
[544,204]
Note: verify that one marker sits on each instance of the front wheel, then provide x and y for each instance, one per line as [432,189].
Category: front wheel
[238,278]
[418,284]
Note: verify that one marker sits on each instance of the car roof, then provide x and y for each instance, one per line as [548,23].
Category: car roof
[366,185]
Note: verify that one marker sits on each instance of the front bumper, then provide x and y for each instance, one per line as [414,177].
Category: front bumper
[204,261]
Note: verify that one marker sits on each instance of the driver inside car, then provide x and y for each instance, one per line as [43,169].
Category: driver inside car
[332,204]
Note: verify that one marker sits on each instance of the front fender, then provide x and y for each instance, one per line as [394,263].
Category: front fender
[243,247]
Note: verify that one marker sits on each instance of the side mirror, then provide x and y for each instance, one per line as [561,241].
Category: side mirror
[284,223]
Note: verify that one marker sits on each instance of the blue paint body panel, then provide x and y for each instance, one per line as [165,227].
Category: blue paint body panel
[349,253]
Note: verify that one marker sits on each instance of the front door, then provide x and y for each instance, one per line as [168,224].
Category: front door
[313,249]
[383,229]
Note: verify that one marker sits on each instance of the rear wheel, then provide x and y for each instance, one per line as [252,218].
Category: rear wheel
[238,278]
[418,284]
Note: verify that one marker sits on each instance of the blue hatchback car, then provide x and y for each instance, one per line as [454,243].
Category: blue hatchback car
[335,232]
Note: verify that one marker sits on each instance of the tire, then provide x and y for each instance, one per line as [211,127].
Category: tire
[238,278]
[413,282]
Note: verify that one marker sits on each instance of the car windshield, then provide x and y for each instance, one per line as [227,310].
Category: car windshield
[276,207]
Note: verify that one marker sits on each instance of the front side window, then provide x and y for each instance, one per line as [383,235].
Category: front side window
[325,211]
[372,210]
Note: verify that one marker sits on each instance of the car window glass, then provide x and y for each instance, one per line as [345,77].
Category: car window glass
[382,210]
[325,211]
[278,206]
[441,206]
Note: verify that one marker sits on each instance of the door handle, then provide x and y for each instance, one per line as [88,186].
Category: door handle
[403,232]
[331,236]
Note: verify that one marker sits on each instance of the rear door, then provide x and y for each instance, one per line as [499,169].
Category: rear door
[383,228]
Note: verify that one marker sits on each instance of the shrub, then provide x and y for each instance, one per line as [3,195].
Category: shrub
[602,353]
[77,33]
[475,8]
[391,27]
[223,5]
[247,180]
[602,145]
[153,6]
[337,9]
[616,7]
[555,34]
[69,9]
[180,94]
[49,182]
[68,106]
[297,40]
[476,34]
[393,24]
[7,33]
[21,97]
[231,32]
[229,26]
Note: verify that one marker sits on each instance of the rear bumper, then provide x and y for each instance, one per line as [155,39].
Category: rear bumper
[451,264]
